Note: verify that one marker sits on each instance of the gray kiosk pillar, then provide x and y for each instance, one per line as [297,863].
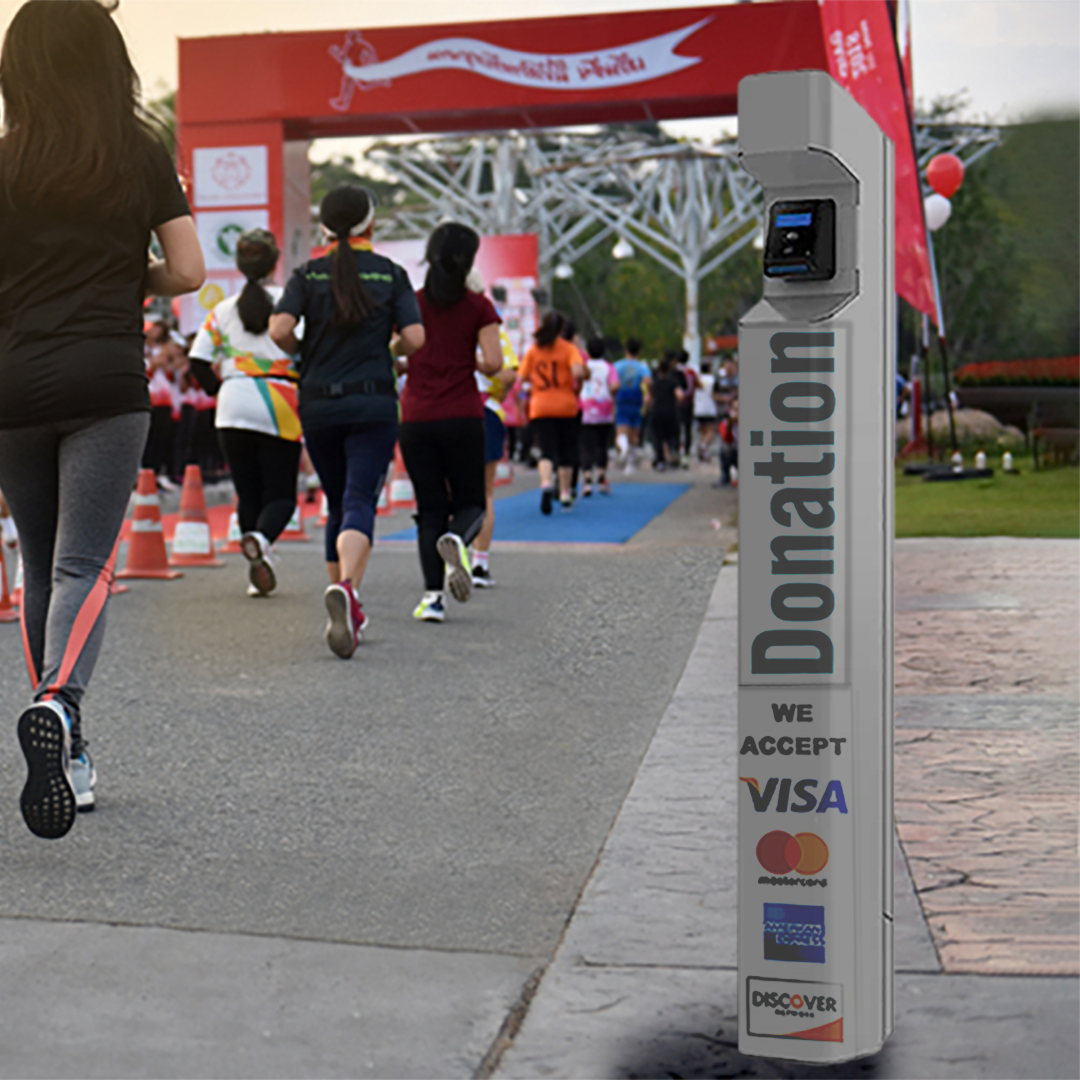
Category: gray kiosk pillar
[815,579]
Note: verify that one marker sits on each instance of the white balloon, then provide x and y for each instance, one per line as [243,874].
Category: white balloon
[937,209]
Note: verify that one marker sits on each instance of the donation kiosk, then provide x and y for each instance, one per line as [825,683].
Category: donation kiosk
[815,579]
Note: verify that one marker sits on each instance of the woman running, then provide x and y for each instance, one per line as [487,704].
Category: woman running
[597,418]
[442,415]
[83,182]
[552,369]
[351,301]
[258,418]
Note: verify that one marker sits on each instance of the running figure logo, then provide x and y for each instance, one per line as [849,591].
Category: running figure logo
[356,52]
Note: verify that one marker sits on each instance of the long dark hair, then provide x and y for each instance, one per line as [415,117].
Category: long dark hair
[451,249]
[550,329]
[76,134]
[340,211]
[256,257]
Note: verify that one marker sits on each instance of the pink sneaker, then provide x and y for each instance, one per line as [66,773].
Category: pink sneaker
[347,620]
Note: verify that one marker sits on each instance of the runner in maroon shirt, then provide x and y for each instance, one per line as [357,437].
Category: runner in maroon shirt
[442,415]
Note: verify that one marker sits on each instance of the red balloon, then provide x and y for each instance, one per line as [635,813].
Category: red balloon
[945,174]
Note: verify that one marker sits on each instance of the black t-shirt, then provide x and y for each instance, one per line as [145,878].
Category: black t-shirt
[71,303]
[663,392]
[330,355]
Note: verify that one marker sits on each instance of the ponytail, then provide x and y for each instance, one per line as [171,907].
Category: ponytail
[352,302]
[347,211]
[451,250]
[256,257]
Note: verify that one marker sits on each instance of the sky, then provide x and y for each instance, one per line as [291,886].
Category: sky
[1014,58]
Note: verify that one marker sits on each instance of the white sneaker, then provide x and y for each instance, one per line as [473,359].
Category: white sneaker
[430,608]
[8,532]
[458,570]
[48,800]
[256,549]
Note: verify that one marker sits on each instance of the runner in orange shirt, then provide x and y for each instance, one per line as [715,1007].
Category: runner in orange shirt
[552,370]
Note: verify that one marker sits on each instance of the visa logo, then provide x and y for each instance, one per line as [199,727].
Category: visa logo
[832,798]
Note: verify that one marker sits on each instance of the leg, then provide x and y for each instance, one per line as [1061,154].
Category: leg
[279,463]
[241,451]
[424,460]
[464,449]
[369,449]
[326,448]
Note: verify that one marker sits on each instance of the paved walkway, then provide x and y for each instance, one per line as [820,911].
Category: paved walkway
[643,984]
[505,846]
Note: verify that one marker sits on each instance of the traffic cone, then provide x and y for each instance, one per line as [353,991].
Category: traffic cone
[114,588]
[147,557]
[17,588]
[295,529]
[232,537]
[192,543]
[324,511]
[7,608]
[402,495]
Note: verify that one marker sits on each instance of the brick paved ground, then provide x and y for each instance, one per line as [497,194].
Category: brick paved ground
[986,748]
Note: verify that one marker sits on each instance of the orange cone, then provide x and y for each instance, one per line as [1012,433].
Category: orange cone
[402,495]
[16,589]
[114,588]
[192,543]
[295,529]
[324,511]
[232,537]
[147,557]
[7,608]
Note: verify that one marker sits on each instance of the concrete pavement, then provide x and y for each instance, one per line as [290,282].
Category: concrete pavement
[505,850]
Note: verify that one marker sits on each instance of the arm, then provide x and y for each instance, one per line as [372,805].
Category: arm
[490,361]
[182,270]
[281,333]
[410,340]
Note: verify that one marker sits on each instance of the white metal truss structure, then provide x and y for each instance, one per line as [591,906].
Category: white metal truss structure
[687,206]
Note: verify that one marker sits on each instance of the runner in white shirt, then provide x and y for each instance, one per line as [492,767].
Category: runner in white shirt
[257,416]
[705,410]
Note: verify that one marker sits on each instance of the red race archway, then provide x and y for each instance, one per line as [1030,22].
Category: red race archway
[248,104]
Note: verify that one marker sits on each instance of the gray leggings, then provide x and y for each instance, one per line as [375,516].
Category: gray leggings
[68,485]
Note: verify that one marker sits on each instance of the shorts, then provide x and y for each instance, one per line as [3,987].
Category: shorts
[557,437]
[494,436]
[628,405]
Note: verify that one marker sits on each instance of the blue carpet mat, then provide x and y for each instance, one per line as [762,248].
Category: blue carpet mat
[599,519]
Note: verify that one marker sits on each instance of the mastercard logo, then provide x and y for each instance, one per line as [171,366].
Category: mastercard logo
[780,853]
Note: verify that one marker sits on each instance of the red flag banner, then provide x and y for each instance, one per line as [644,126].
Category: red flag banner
[862,59]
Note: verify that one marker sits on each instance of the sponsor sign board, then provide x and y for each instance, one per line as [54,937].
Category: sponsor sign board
[230,176]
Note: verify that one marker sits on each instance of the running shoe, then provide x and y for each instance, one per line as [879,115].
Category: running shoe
[347,620]
[48,799]
[547,496]
[458,571]
[261,559]
[567,502]
[166,484]
[586,490]
[430,608]
[605,486]
[481,578]
[83,779]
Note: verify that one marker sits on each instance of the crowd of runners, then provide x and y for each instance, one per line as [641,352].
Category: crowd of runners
[327,378]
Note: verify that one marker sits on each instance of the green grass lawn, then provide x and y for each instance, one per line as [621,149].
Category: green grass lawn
[1043,503]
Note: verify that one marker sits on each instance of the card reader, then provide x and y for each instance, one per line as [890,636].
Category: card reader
[801,242]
